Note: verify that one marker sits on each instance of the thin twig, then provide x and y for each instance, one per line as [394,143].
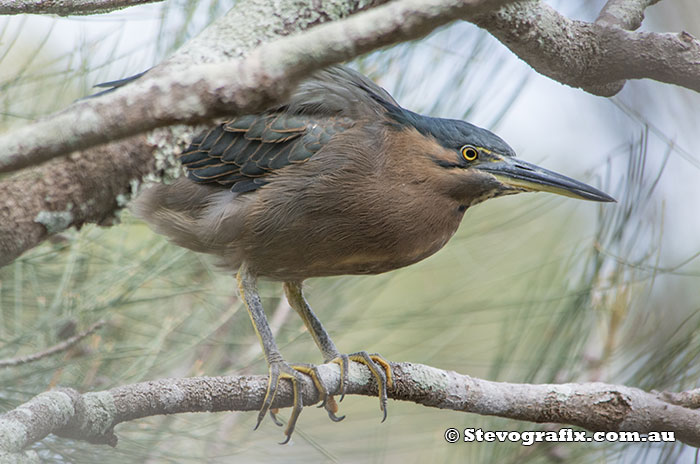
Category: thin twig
[57,348]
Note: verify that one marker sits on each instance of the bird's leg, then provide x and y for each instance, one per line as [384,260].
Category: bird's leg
[278,368]
[378,366]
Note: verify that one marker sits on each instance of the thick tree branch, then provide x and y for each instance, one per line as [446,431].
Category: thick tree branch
[84,187]
[206,91]
[592,406]
[592,56]
[66,8]
[91,185]
[585,55]
[627,14]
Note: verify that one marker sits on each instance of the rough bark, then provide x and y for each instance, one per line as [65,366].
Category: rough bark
[593,56]
[592,406]
[628,14]
[66,8]
[200,93]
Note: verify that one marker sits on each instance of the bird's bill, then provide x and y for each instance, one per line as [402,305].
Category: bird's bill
[526,176]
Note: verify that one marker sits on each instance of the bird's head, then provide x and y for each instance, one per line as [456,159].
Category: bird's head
[473,164]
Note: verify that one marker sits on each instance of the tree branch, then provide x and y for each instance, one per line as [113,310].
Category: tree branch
[57,348]
[592,56]
[203,92]
[585,55]
[592,406]
[689,399]
[92,185]
[66,8]
[627,14]
[85,187]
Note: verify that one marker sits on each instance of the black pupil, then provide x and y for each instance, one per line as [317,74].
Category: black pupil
[470,153]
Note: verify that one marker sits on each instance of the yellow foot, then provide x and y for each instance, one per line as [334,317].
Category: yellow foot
[281,370]
[327,401]
[378,367]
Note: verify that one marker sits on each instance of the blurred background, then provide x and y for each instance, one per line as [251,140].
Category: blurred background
[533,288]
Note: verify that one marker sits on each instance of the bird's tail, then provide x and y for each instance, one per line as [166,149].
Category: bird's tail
[194,216]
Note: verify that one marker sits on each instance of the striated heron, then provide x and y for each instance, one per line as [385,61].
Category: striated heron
[340,179]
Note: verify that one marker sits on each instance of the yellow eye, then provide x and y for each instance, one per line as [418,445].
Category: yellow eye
[470,153]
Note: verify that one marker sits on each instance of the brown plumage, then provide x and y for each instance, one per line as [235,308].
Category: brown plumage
[307,223]
[338,180]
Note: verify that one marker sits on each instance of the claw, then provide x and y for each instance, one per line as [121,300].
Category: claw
[281,370]
[332,408]
[382,375]
[273,416]
[297,406]
[379,359]
[342,360]
[312,371]
[272,383]
[334,418]
[378,366]
[327,401]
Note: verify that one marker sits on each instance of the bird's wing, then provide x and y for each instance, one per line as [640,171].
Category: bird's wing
[241,153]
[339,90]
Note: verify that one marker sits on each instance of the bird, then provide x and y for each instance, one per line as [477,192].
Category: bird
[337,179]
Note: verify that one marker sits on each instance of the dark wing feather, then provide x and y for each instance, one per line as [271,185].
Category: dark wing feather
[240,153]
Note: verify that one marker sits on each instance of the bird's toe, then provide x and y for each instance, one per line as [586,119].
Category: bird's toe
[327,401]
[281,370]
[378,367]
